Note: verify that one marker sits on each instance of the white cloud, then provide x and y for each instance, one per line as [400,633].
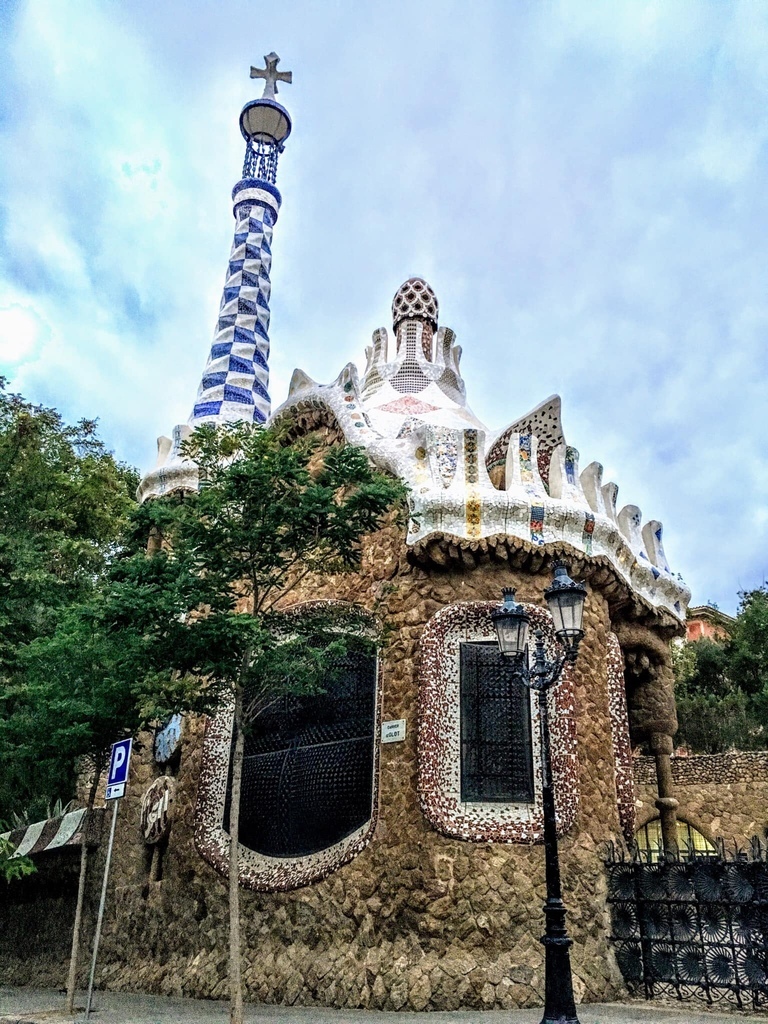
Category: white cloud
[21,331]
[583,184]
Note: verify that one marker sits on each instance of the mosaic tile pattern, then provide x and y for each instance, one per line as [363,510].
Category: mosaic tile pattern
[408,406]
[523,487]
[524,449]
[622,749]
[589,529]
[474,515]
[266,874]
[537,524]
[439,739]
[652,538]
[470,457]
[235,384]
[415,300]
[445,504]
[544,423]
[473,500]
[444,453]
[571,464]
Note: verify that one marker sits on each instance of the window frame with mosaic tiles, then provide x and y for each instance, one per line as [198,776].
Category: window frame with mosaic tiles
[262,871]
[439,740]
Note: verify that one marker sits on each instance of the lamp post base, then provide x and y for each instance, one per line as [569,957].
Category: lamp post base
[559,1004]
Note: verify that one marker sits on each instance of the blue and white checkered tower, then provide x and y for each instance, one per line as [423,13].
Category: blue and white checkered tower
[235,384]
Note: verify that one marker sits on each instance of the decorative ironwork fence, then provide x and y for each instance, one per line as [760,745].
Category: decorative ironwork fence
[692,926]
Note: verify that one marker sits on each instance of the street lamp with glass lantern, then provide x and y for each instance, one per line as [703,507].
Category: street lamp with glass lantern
[566,605]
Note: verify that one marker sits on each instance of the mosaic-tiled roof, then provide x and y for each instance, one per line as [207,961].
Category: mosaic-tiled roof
[469,486]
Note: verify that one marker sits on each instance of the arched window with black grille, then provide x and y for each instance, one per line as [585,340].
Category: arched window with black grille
[308,765]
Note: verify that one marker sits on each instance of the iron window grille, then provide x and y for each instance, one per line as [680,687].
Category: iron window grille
[496,753]
[308,765]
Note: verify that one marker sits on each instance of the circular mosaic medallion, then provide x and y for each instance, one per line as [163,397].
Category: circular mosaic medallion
[156,809]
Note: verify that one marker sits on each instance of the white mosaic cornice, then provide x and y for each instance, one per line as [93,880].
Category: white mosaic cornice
[521,483]
[545,501]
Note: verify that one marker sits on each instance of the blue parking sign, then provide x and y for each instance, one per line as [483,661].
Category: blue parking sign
[118,769]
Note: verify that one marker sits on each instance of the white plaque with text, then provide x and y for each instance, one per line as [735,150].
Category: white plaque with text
[393,732]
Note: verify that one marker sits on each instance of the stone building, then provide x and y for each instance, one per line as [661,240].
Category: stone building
[391,834]
[390,853]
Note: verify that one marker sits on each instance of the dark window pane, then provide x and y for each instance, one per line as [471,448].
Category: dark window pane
[496,756]
[308,766]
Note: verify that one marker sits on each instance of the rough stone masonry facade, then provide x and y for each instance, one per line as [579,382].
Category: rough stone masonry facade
[722,795]
[419,919]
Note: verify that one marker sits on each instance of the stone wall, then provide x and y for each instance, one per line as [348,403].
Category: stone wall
[417,920]
[720,794]
[37,914]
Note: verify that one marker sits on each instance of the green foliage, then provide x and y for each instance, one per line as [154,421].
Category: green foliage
[11,867]
[268,515]
[749,643]
[102,675]
[268,518]
[55,809]
[151,636]
[64,502]
[712,725]
[721,686]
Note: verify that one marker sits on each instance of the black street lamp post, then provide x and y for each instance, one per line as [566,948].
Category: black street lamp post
[566,604]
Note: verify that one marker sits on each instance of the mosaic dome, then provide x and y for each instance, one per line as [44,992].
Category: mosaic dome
[414,300]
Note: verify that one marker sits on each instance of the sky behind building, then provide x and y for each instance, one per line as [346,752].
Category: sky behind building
[582,183]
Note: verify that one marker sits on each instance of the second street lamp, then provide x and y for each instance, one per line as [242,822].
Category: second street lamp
[566,605]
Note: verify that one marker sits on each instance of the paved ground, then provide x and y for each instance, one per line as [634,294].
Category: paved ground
[40,1006]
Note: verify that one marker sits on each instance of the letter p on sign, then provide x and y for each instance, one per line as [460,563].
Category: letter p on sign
[119,763]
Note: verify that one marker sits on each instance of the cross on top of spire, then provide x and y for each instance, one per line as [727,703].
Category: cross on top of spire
[271,75]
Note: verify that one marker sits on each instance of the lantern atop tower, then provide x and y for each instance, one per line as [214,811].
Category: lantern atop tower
[265,123]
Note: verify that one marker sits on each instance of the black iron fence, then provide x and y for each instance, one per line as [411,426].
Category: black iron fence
[692,926]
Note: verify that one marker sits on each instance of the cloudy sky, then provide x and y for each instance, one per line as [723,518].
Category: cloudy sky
[583,184]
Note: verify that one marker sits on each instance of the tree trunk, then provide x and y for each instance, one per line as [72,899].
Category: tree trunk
[235,964]
[72,976]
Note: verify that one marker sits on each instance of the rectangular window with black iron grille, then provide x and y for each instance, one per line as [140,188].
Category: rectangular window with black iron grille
[496,754]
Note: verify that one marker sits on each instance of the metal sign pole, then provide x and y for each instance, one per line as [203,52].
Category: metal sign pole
[103,900]
[117,777]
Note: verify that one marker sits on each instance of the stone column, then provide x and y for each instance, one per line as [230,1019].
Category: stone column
[661,744]
[235,384]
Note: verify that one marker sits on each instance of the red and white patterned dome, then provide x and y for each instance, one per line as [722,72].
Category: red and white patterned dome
[414,300]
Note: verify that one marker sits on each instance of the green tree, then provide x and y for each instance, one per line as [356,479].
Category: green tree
[721,685]
[748,649]
[63,503]
[268,516]
[99,677]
